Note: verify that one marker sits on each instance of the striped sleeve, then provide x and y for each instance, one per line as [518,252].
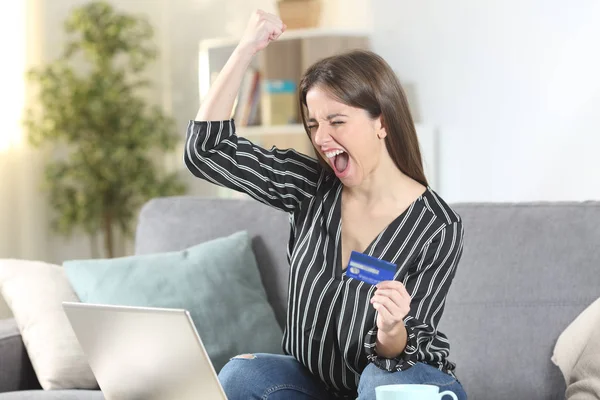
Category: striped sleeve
[428,282]
[280,178]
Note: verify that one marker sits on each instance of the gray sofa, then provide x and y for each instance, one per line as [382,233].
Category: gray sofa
[527,271]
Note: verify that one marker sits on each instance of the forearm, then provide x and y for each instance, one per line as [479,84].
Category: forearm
[219,101]
[393,343]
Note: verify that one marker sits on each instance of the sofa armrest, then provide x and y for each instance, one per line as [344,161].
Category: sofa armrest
[16,372]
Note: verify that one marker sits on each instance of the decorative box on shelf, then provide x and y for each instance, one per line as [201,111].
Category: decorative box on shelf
[298,14]
[278,102]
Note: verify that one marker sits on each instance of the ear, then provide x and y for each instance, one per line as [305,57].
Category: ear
[380,127]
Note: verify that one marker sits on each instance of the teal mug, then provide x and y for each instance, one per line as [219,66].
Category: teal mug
[411,392]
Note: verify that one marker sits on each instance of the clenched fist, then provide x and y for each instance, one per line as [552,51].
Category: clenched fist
[262,29]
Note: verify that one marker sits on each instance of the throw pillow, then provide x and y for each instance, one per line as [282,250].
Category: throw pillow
[217,281]
[584,381]
[34,291]
[574,338]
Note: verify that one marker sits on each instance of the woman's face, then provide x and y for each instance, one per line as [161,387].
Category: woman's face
[346,137]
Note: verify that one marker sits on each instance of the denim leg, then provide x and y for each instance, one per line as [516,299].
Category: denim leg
[270,376]
[421,373]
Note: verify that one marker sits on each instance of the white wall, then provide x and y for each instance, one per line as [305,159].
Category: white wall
[514,87]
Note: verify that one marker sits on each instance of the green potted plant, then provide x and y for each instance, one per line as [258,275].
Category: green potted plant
[107,142]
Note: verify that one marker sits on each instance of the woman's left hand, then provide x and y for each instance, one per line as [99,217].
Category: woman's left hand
[392,302]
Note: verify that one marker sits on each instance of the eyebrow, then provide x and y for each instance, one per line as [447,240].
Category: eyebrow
[329,117]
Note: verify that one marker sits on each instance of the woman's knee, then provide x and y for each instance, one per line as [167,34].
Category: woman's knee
[238,374]
[373,376]
[251,376]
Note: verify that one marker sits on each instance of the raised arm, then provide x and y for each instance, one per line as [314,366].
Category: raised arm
[213,151]
[262,29]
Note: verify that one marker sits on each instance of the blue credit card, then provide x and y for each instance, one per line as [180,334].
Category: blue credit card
[369,269]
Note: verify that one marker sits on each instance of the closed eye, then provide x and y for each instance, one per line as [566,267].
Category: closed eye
[311,127]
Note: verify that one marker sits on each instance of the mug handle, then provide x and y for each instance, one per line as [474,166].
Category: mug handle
[448,393]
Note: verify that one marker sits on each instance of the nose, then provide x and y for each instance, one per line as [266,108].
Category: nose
[321,136]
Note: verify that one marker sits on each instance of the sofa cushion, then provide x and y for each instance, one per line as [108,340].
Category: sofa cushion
[35,291]
[16,372]
[216,281]
[527,271]
[175,223]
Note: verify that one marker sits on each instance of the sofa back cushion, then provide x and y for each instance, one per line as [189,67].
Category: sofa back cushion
[526,273]
[176,223]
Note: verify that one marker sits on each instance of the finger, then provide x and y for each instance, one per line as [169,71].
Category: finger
[397,297]
[404,293]
[383,311]
[275,34]
[388,284]
[268,31]
[403,290]
[393,285]
[399,309]
[274,28]
[274,19]
[392,307]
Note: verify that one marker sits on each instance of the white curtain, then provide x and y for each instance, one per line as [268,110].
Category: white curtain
[23,213]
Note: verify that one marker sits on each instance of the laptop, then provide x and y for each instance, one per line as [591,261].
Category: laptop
[144,353]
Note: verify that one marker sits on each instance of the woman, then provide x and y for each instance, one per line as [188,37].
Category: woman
[367,193]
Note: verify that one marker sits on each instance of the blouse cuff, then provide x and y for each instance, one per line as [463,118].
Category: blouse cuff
[402,362]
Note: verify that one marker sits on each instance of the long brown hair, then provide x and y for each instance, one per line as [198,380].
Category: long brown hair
[363,79]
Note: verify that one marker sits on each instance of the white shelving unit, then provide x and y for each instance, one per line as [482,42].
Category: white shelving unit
[214,52]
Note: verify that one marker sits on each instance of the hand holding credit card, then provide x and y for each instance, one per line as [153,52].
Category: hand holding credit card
[369,269]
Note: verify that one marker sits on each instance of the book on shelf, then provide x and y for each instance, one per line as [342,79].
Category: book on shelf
[246,105]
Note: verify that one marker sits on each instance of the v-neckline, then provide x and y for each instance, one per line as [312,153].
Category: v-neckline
[340,272]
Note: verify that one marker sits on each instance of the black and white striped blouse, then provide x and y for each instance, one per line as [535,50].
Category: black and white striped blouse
[330,325]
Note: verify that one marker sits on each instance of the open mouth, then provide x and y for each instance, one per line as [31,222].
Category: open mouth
[339,160]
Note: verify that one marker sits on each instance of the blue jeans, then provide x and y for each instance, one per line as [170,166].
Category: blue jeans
[277,377]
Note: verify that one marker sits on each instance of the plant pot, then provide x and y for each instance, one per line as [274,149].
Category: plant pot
[299,14]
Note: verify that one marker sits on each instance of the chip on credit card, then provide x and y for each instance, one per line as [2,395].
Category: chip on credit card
[369,269]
